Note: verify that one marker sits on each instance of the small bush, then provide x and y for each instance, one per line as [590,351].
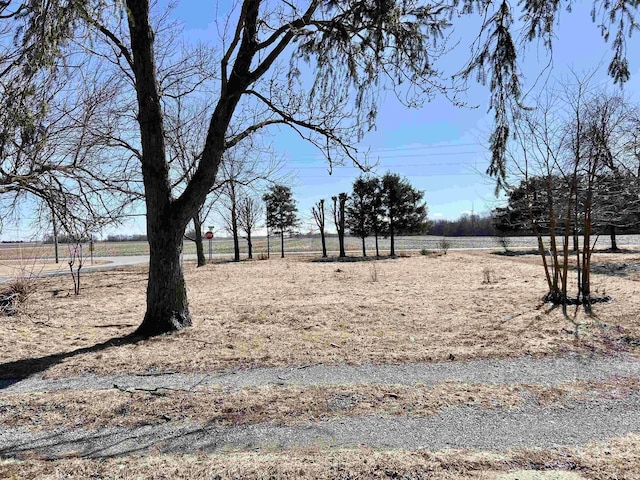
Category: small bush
[262,256]
[373,272]
[425,251]
[504,242]
[444,245]
[14,294]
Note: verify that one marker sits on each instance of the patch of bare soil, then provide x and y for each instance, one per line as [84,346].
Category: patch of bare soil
[615,459]
[295,312]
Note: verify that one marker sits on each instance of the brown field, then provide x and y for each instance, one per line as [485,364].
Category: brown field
[296,312]
[299,311]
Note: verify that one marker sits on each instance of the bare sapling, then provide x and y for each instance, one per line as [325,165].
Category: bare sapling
[75,259]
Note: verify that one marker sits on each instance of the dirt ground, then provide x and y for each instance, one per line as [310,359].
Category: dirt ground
[297,311]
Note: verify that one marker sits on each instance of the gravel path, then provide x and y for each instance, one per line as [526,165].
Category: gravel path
[545,371]
[530,425]
[465,427]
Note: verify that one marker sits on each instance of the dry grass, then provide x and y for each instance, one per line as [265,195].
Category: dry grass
[13,268]
[618,459]
[284,405]
[295,312]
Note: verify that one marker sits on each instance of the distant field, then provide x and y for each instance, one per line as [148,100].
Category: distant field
[301,244]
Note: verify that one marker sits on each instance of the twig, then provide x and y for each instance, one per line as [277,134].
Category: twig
[153,391]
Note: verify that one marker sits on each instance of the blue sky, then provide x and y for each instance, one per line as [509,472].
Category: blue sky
[440,148]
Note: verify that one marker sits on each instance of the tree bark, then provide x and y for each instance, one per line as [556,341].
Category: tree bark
[167,306]
[612,235]
[364,249]
[324,243]
[392,253]
[197,226]
[343,199]
[234,230]
[282,242]
[377,247]
[249,245]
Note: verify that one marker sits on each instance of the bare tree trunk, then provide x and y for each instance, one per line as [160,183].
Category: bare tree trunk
[197,226]
[234,231]
[167,306]
[324,243]
[565,246]
[557,273]
[364,248]
[318,215]
[249,245]
[586,251]
[377,247]
[282,243]
[341,243]
[338,220]
[612,235]
[392,252]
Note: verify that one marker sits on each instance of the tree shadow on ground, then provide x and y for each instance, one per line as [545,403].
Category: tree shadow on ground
[615,269]
[348,259]
[535,251]
[517,253]
[13,372]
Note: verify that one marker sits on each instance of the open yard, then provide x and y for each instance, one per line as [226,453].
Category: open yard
[452,311]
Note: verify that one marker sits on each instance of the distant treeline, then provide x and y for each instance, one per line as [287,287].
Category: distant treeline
[468,225]
[48,239]
[140,237]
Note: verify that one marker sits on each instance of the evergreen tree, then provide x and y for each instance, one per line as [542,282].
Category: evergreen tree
[281,211]
[402,208]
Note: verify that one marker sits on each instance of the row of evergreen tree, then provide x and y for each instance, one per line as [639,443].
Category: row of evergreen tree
[377,206]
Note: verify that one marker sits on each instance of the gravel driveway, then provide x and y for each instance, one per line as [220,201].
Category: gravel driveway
[529,425]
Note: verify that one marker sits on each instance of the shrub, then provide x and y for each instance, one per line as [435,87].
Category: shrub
[504,242]
[373,271]
[444,245]
[13,294]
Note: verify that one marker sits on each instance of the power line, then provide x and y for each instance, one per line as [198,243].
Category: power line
[412,176]
[400,149]
[448,145]
[390,166]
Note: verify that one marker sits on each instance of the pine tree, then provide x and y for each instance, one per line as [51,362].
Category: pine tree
[281,211]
